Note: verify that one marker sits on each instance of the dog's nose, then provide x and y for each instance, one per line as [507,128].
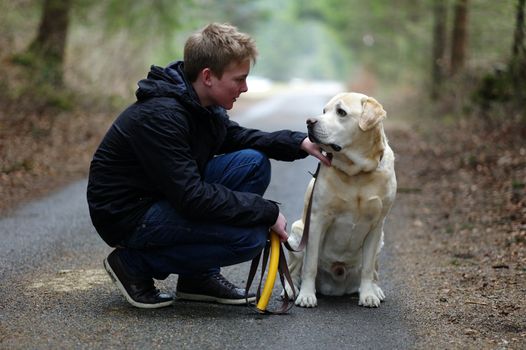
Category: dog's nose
[311,122]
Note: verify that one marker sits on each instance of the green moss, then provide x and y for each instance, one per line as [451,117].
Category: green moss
[517,185]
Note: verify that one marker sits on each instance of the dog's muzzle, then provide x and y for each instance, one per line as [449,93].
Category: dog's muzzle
[313,138]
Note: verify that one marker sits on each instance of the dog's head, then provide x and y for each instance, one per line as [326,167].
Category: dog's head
[345,118]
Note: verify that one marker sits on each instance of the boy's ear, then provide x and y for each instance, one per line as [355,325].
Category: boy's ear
[206,75]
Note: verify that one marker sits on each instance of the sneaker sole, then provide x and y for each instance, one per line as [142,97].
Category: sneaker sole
[200,297]
[129,299]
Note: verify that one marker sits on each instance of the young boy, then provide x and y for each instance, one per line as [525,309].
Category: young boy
[177,187]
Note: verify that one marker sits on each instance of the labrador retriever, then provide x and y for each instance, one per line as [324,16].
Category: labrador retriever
[351,200]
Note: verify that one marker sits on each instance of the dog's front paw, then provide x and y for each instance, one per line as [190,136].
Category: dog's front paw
[306,299]
[369,300]
[371,296]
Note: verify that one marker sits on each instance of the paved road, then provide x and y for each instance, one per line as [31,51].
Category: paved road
[55,294]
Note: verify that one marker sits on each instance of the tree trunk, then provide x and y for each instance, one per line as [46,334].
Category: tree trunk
[49,45]
[459,39]
[439,46]
[517,65]
[519,47]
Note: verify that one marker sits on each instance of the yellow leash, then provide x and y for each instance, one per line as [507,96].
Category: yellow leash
[274,253]
[272,272]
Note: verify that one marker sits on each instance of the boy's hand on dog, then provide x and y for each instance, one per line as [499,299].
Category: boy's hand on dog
[280,228]
[315,151]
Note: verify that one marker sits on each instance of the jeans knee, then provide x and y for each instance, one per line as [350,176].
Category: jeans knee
[261,238]
[257,157]
[253,243]
[262,162]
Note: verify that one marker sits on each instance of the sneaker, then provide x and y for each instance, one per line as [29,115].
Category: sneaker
[215,288]
[140,293]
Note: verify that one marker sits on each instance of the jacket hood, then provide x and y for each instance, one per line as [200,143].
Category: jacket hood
[171,82]
[166,82]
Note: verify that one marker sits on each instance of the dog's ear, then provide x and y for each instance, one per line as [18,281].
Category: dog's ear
[372,113]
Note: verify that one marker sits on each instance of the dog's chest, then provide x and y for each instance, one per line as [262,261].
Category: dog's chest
[348,215]
[344,237]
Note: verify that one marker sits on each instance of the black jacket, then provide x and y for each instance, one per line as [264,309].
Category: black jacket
[158,149]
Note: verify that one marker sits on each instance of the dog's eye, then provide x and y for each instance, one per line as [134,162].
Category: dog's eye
[341,112]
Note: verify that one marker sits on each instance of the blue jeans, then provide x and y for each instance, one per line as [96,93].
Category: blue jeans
[167,243]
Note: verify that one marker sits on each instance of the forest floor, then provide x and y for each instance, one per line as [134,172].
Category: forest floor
[464,253]
[464,257]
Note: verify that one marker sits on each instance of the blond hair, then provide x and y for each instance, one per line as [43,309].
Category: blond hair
[215,47]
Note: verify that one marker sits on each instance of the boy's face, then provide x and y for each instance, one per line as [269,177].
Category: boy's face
[225,90]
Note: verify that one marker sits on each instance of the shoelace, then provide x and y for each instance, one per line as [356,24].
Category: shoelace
[221,279]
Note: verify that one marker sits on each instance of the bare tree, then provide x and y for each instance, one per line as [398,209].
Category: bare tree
[439,46]
[459,37]
[519,47]
[48,47]
[518,59]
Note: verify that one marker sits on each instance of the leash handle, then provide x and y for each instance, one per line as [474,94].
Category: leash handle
[278,264]
[272,272]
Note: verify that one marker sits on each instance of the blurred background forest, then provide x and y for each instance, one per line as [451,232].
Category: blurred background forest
[460,51]
[72,64]
[69,66]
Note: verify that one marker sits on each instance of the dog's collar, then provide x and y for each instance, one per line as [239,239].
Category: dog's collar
[315,175]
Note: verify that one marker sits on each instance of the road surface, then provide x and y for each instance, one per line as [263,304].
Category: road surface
[54,292]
